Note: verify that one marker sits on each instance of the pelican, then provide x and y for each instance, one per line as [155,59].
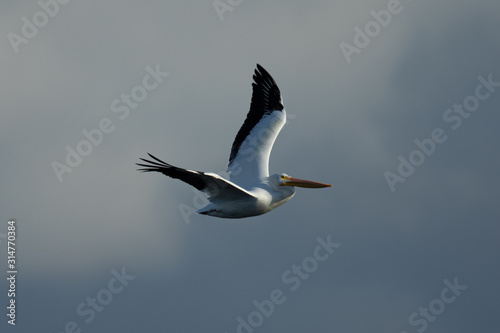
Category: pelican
[250,191]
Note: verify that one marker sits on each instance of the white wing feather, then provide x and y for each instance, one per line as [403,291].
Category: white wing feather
[251,164]
[249,159]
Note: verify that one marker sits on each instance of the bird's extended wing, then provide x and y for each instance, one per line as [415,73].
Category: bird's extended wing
[249,159]
[212,184]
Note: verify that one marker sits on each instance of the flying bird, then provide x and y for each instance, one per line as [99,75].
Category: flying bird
[250,190]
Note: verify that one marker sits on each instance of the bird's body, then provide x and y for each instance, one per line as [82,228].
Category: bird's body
[250,191]
[258,201]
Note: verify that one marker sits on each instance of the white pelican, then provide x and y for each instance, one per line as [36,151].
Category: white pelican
[250,191]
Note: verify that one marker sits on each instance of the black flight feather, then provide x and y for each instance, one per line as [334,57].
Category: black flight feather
[188,176]
[266,98]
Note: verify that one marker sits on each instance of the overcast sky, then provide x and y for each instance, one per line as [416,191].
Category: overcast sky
[394,103]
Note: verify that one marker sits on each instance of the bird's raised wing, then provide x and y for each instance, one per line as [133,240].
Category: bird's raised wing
[249,159]
[212,184]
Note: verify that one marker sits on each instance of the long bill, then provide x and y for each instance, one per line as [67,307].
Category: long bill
[303,183]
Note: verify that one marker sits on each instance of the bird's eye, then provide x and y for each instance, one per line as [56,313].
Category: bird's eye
[282,177]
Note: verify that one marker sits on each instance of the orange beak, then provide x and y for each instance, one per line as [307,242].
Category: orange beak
[303,183]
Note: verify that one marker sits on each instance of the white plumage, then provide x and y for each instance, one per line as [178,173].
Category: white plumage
[250,191]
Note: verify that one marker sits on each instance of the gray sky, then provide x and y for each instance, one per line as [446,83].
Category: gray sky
[404,252]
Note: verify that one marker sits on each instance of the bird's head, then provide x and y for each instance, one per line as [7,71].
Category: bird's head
[286,180]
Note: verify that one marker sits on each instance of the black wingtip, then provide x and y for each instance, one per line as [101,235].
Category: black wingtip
[261,71]
[266,93]
[262,77]
[153,166]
